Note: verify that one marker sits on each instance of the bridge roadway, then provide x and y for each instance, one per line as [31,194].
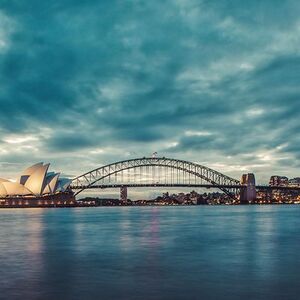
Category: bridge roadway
[208,186]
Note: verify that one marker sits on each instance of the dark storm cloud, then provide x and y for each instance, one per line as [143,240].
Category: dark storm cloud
[70,142]
[141,76]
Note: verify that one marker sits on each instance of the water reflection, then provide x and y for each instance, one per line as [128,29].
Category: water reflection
[21,249]
[153,231]
[150,253]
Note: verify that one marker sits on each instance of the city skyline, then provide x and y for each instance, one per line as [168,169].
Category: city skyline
[86,84]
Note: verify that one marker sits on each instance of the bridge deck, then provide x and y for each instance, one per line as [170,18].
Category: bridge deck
[140,185]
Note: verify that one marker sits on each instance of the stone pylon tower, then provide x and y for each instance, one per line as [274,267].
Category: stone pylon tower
[123,194]
[248,192]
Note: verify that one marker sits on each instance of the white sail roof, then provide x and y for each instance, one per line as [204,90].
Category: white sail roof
[49,177]
[36,180]
[29,171]
[3,180]
[32,169]
[51,184]
[14,189]
[3,191]
[63,184]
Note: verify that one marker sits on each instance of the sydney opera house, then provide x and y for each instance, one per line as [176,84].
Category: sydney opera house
[36,187]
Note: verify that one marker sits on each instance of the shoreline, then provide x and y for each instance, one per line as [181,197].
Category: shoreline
[144,205]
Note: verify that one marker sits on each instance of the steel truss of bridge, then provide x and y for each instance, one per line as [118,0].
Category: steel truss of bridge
[161,172]
[158,171]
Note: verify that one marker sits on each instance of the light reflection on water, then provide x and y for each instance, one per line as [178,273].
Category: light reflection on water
[249,252]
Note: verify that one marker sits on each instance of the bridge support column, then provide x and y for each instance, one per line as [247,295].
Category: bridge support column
[248,191]
[123,194]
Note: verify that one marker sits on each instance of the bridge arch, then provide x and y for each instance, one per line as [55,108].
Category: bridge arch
[213,177]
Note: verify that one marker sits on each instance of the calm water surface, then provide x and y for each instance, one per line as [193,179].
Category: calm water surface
[241,252]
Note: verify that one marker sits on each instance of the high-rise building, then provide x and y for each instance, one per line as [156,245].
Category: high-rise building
[294,181]
[279,181]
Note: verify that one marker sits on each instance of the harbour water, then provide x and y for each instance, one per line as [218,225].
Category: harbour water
[203,252]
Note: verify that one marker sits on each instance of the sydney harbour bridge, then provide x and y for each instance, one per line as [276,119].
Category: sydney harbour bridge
[167,172]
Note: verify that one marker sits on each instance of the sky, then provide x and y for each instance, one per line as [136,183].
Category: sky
[87,83]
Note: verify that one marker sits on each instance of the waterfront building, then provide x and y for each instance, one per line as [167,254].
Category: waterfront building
[294,181]
[36,187]
[279,181]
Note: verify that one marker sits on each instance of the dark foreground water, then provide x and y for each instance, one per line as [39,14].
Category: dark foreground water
[241,252]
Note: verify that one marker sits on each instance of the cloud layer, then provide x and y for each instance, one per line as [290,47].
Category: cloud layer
[215,82]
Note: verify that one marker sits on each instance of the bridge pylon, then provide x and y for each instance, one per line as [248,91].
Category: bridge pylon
[123,194]
[248,189]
